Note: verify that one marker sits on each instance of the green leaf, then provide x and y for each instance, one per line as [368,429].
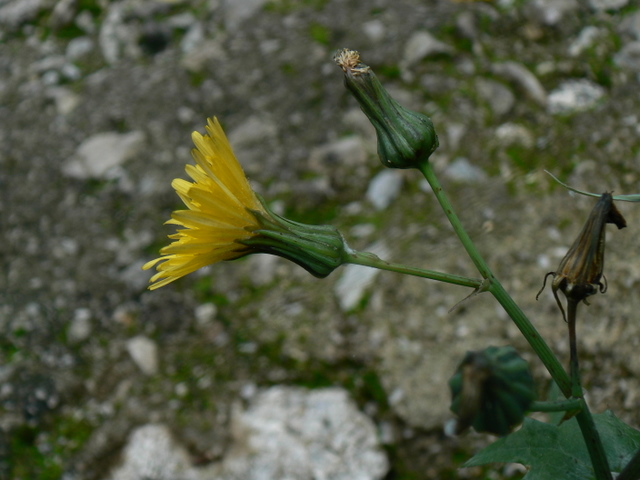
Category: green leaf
[560,452]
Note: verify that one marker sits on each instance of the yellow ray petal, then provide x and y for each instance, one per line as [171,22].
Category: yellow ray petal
[219,202]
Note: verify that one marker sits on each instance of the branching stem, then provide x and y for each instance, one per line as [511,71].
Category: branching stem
[371,260]
[559,374]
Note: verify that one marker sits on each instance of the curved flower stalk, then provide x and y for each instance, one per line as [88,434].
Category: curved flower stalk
[623,198]
[226,220]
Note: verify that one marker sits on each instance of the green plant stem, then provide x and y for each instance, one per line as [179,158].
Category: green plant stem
[574,368]
[558,373]
[497,290]
[632,470]
[584,418]
[557,406]
[370,260]
[594,443]
[427,170]
[548,358]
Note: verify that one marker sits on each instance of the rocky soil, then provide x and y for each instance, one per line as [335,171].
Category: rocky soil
[253,369]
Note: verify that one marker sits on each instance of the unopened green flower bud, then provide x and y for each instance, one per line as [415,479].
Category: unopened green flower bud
[405,138]
[491,390]
[319,249]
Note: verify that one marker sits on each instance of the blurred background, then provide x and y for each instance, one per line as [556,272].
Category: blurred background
[253,369]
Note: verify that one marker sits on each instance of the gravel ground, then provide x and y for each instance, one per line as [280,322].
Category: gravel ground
[194,381]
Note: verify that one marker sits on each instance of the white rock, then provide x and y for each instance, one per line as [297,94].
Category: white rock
[586,39]
[357,121]
[362,230]
[14,12]
[263,269]
[297,434]
[384,188]
[254,130]
[574,96]
[193,38]
[629,57]
[62,13]
[134,277]
[374,30]
[207,52]
[552,12]
[285,433]
[151,452]
[603,5]
[80,327]
[84,21]
[206,313]
[454,133]
[461,170]
[144,353]
[630,25]
[65,99]
[50,78]
[117,38]
[50,62]
[510,133]
[520,75]
[102,152]
[110,30]
[498,96]
[352,285]
[79,47]
[349,150]
[70,72]
[422,45]
[235,12]
[182,20]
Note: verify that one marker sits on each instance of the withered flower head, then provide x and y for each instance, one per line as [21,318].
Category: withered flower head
[491,390]
[405,137]
[580,271]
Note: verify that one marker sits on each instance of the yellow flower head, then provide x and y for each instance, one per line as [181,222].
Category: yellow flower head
[226,220]
[222,211]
